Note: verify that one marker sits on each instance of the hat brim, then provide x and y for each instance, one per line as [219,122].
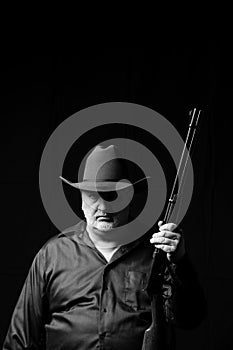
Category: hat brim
[102,186]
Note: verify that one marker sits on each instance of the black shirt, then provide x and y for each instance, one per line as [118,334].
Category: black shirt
[74,299]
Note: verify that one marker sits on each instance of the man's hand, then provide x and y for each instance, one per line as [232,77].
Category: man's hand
[169,241]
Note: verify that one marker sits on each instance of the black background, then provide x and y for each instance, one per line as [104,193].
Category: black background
[40,91]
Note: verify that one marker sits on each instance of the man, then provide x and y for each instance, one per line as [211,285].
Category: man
[87,287]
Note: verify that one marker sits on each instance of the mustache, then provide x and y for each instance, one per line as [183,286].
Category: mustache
[111,216]
[103,214]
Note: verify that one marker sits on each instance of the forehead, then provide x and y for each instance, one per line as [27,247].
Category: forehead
[97,194]
[87,194]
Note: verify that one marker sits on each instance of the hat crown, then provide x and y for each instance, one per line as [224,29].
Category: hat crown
[106,170]
[104,164]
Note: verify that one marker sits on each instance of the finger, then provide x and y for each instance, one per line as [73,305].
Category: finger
[168,234]
[169,226]
[164,240]
[166,248]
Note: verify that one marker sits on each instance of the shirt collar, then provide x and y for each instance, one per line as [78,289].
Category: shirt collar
[80,234]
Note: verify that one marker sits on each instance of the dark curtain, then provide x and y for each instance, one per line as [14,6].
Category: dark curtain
[40,91]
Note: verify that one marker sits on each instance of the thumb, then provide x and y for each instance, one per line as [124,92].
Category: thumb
[160,223]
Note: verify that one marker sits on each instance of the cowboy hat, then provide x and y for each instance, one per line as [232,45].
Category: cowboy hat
[105,170]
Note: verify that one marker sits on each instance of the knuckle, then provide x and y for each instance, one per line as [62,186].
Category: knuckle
[172,226]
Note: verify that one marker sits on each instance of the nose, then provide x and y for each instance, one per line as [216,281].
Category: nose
[104,205]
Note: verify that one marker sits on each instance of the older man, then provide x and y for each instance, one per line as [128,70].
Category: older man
[87,287]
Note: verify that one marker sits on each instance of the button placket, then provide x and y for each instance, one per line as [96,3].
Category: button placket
[103,307]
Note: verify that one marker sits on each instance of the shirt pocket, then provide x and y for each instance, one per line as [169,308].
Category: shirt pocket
[135,290]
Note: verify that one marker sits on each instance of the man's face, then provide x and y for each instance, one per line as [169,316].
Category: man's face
[98,211]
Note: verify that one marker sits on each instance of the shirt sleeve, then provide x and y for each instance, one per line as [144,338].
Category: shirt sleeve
[26,327]
[183,297]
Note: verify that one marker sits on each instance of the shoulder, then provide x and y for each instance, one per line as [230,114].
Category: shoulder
[66,240]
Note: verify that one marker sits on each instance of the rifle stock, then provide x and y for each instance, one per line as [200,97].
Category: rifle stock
[151,339]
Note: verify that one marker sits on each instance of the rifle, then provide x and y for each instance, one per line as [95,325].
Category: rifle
[153,337]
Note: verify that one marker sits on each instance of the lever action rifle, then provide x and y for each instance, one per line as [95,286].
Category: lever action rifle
[153,337]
